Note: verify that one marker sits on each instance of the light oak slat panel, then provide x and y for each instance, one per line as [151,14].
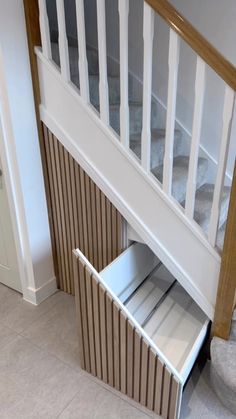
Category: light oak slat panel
[64,205]
[166,393]
[116,345]
[109,331]
[158,386]
[144,373]
[120,238]
[89,218]
[137,365]
[151,379]
[69,185]
[104,233]
[174,399]
[90,316]
[95,242]
[102,311]
[55,237]
[79,207]
[74,202]
[78,313]
[83,301]
[62,213]
[114,232]
[123,353]
[130,358]
[109,231]
[97,335]
[99,227]
[84,212]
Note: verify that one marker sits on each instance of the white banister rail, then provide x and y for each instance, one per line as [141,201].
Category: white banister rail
[83,63]
[228,110]
[124,71]
[62,40]
[102,57]
[44,30]
[174,47]
[196,135]
[148,33]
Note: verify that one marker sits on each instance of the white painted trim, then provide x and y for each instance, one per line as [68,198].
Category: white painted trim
[13,186]
[91,155]
[78,253]
[37,296]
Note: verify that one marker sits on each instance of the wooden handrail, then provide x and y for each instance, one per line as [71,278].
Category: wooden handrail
[197,42]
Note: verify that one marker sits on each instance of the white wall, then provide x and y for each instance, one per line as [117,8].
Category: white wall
[16,62]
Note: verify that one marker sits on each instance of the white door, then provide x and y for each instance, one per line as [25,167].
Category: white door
[9,274]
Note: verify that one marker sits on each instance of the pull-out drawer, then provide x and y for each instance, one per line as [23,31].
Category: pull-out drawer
[139,330]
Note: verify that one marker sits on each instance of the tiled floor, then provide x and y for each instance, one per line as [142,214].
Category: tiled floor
[40,376]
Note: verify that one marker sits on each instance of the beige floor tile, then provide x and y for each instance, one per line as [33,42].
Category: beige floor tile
[55,332]
[34,383]
[93,401]
[19,314]
[6,335]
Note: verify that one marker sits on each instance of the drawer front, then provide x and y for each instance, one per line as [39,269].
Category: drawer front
[115,350]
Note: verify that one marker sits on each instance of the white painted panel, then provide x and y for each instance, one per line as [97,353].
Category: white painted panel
[127,271]
[197,265]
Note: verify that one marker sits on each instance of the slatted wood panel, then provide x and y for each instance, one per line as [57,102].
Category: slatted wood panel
[116,352]
[81,217]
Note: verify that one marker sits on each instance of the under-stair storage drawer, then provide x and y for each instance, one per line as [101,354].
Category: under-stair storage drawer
[139,330]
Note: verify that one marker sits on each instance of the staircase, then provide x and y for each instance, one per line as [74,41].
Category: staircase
[204,190]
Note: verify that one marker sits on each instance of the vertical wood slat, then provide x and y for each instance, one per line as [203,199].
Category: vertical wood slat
[102,56]
[124,71]
[196,135]
[79,314]
[44,30]
[83,62]
[148,33]
[228,110]
[123,358]
[174,47]
[62,41]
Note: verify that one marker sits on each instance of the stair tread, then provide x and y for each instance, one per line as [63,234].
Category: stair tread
[157,145]
[180,175]
[203,204]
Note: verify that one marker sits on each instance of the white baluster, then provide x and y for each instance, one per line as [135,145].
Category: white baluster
[83,63]
[102,54]
[196,135]
[223,156]
[148,33]
[124,72]
[44,30]
[174,46]
[62,40]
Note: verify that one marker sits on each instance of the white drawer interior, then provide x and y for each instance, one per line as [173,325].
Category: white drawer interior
[164,310]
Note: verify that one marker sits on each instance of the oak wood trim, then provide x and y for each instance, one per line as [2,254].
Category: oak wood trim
[225,301]
[197,42]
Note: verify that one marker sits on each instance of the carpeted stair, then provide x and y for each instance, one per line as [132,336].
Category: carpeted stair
[204,192]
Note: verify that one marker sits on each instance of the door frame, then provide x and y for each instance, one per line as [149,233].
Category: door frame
[13,190]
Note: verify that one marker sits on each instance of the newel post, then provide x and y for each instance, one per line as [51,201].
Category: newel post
[225,301]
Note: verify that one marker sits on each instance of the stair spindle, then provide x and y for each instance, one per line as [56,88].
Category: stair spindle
[102,56]
[62,40]
[148,33]
[228,111]
[44,30]
[196,135]
[124,72]
[83,63]
[174,47]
